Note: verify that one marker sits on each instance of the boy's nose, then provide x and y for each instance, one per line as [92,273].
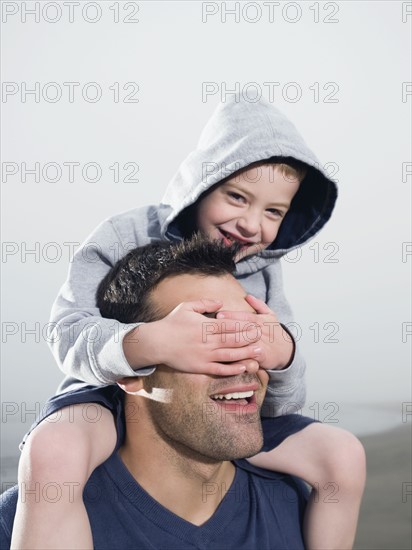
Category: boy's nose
[249,225]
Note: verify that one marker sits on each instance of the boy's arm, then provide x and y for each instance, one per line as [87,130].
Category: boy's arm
[286,391]
[85,345]
[93,349]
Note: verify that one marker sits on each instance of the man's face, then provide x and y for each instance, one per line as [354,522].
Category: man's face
[209,418]
[248,208]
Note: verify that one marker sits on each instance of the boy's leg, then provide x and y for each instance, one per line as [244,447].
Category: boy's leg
[57,460]
[332,461]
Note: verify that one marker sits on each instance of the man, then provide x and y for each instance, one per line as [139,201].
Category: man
[177,480]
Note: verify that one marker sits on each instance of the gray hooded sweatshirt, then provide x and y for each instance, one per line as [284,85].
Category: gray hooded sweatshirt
[88,348]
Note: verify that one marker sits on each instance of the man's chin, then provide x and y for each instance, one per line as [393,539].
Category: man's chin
[240,453]
[244,445]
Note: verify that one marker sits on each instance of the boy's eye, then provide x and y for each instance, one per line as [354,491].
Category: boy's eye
[275,212]
[235,196]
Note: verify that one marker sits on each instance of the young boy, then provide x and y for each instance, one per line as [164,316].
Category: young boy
[251,180]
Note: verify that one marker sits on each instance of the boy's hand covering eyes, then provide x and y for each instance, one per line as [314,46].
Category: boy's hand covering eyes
[277,345]
[188,341]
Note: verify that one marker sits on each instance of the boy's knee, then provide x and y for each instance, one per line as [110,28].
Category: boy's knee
[54,449]
[356,457]
[346,459]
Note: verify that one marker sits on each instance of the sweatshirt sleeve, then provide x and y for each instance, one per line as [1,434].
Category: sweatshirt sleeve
[87,346]
[286,392]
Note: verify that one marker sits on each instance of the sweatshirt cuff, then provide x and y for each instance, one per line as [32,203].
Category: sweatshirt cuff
[110,361]
[286,376]
[285,328]
[283,372]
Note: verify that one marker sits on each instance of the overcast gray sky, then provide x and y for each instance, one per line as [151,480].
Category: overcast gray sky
[104,100]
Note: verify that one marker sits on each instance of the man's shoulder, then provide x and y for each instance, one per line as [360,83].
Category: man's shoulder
[263,477]
[8,503]
[277,429]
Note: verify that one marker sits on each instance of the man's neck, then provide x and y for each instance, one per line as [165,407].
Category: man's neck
[189,487]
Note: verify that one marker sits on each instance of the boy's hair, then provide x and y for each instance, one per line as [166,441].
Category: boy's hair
[124,293]
[290,167]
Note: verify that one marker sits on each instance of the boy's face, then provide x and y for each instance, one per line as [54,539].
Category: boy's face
[247,208]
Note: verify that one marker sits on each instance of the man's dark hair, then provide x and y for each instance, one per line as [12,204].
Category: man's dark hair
[125,291]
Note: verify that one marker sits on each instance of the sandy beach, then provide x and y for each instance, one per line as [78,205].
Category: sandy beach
[386,514]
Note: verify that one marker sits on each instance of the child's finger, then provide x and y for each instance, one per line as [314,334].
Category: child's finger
[203,306]
[232,355]
[226,326]
[227,369]
[258,305]
[237,315]
[250,335]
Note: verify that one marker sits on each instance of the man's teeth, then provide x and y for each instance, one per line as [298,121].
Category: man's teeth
[235,395]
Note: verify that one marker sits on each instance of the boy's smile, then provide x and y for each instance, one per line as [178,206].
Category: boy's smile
[247,208]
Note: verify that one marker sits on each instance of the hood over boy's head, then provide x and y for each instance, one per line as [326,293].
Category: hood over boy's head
[239,134]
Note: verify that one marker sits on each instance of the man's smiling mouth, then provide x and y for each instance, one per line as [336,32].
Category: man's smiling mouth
[241,397]
[236,398]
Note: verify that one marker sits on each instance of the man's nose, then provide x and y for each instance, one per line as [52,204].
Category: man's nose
[251,365]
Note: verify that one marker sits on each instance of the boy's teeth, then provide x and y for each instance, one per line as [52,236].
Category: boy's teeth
[228,237]
[235,395]
[233,239]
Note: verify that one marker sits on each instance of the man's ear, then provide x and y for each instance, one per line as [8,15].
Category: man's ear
[131,384]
